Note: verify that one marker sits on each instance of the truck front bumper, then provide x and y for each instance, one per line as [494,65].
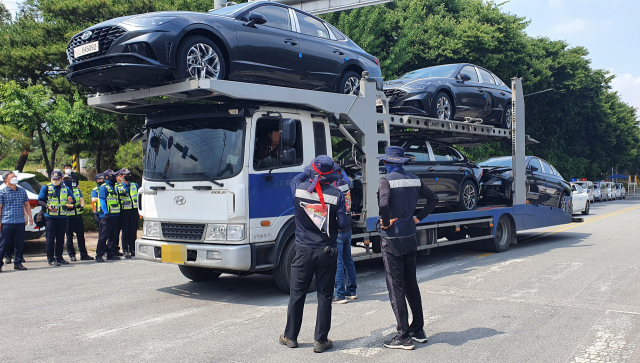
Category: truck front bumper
[222,257]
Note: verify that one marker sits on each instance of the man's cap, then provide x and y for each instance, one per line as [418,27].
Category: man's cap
[67,176]
[56,174]
[99,176]
[124,171]
[65,165]
[108,173]
[394,155]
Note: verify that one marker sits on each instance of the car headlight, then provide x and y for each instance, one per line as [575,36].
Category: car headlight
[418,85]
[224,232]
[149,21]
[235,232]
[152,229]
[216,232]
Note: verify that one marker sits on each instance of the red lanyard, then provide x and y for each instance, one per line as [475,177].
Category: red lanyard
[318,188]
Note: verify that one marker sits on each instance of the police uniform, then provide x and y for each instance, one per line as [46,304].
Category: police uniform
[129,217]
[96,205]
[319,212]
[345,261]
[75,224]
[51,198]
[397,198]
[110,211]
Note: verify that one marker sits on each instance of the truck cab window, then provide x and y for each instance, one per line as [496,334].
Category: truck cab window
[320,138]
[267,145]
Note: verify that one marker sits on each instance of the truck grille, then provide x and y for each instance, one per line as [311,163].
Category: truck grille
[184,232]
[106,36]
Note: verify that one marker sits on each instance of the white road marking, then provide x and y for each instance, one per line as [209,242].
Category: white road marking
[502,266]
[159,319]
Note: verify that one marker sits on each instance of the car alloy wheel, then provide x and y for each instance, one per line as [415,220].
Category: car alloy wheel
[352,86]
[469,196]
[507,118]
[203,62]
[443,108]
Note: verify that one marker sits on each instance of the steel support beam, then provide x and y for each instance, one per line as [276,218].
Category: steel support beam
[518,142]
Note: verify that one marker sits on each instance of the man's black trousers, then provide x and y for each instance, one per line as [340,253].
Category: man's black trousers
[129,226]
[306,263]
[403,284]
[12,241]
[108,236]
[56,227]
[75,225]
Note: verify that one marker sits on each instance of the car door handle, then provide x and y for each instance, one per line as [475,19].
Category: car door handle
[431,169]
[338,52]
[291,41]
[480,90]
[502,93]
[461,169]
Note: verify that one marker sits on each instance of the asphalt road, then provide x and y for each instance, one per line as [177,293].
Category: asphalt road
[570,294]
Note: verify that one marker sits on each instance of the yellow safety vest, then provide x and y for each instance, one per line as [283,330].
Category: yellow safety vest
[128,200]
[77,209]
[53,202]
[113,202]
[96,205]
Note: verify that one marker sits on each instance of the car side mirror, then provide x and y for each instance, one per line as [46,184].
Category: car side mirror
[288,131]
[533,168]
[465,77]
[255,18]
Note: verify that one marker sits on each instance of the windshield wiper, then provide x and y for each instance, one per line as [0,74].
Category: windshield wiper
[164,179]
[207,178]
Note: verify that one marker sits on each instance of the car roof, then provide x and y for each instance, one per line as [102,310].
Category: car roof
[21,176]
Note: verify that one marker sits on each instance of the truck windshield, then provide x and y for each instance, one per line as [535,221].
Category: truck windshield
[195,149]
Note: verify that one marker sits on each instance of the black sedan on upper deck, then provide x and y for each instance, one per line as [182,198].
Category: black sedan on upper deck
[451,92]
[259,42]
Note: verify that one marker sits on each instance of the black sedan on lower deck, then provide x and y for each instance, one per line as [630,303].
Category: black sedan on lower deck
[259,42]
[452,92]
[544,185]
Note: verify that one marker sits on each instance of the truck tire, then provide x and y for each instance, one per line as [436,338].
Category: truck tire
[282,272]
[198,274]
[503,237]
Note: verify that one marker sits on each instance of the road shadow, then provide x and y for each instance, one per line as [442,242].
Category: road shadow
[462,337]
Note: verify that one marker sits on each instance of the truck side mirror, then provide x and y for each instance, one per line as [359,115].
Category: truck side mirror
[154,142]
[287,132]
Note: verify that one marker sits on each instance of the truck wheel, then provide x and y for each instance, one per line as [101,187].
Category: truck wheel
[282,272]
[586,209]
[503,237]
[468,196]
[198,274]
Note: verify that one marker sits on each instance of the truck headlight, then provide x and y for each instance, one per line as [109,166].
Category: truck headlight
[216,232]
[152,229]
[235,232]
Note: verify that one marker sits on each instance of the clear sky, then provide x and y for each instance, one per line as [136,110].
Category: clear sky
[609,29]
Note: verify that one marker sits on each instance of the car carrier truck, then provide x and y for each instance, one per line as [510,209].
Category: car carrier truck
[213,204]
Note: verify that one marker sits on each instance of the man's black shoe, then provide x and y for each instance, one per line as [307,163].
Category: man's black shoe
[54,263]
[127,255]
[419,336]
[398,343]
[72,258]
[99,259]
[119,253]
[109,258]
[320,347]
[19,267]
[86,258]
[288,342]
[63,261]
[7,259]
[133,253]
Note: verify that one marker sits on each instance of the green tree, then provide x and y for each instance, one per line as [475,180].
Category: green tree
[129,156]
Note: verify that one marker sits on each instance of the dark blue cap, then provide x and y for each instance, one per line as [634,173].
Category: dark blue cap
[124,171]
[56,174]
[394,155]
[99,176]
[107,173]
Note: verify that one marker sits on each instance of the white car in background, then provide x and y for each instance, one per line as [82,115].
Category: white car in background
[588,187]
[621,190]
[29,183]
[580,199]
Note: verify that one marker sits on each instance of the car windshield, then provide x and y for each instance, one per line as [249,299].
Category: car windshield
[195,149]
[504,161]
[230,10]
[446,71]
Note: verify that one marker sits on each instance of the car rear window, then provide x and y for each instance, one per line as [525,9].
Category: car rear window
[31,185]
[486,76]
[311,26]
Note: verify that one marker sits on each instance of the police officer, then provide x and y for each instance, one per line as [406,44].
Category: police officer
[57,199]
[319,212]
[95,201]
[345,262]
[397,198]
[74,177]
[128,194]
[75,222]
[110,211]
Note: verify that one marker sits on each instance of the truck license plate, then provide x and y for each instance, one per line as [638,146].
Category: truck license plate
[174,253]
[85,49]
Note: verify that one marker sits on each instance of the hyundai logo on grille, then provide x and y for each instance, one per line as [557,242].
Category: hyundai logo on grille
[86,35]
[180,200]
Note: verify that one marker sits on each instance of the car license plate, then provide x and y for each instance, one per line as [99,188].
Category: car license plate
[85,49]
[174,253]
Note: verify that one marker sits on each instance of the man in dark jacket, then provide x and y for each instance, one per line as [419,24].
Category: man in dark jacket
[320,211]
[397,198]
